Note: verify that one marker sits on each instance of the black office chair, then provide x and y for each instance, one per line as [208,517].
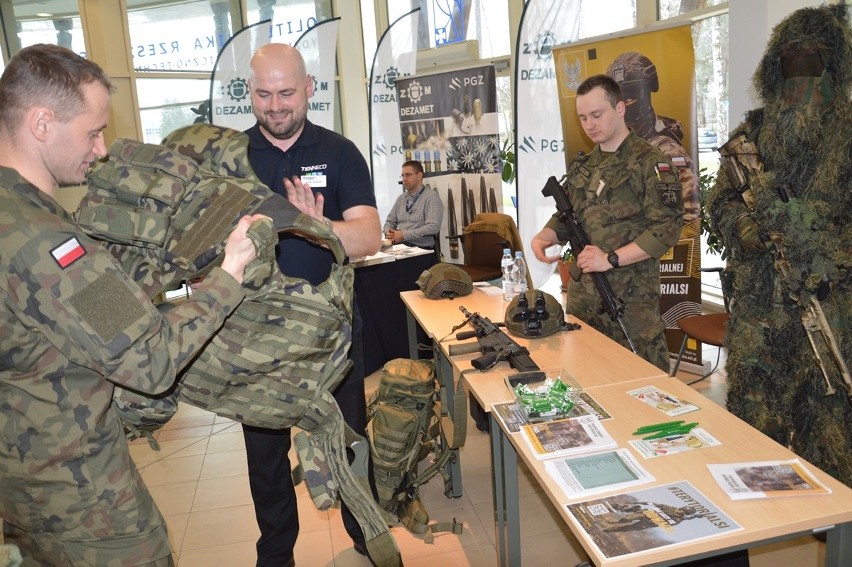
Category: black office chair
[709,329]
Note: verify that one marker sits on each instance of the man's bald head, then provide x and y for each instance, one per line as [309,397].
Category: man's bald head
[280,89]
[278,56]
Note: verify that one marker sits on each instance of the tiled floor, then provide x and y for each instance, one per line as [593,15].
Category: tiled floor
[199,482]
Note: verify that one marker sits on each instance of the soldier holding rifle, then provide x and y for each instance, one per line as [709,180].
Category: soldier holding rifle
[627,198]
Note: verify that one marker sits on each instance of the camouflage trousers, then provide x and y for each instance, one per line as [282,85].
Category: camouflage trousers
[641,318]
[147,549]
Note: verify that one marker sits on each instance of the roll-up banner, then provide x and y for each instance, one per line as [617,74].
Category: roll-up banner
[539,146]
[656,70]
[318,47]
[396,56]
[448,122]
[230,103]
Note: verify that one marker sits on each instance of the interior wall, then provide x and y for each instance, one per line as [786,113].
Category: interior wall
[750,25]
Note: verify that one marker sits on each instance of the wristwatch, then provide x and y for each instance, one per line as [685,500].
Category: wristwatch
[613,259]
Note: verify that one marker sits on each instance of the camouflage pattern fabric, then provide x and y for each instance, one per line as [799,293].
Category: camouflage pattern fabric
[804,137]
[71,318]
[535,314]
[637,77]
[639,201]
[274,361]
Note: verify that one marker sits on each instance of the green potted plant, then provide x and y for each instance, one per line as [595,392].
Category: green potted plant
[564,265]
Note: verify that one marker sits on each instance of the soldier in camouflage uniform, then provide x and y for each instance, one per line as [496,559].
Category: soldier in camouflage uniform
[797,155]
[72,324]
[637,77]
[628,200]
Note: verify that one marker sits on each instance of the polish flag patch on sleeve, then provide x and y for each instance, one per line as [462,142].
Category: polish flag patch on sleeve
[68,252]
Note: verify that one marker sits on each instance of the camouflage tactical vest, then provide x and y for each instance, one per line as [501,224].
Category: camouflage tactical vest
[165,211]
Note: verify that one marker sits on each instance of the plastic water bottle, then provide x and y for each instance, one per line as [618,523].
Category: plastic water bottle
[507,265]
[519,273]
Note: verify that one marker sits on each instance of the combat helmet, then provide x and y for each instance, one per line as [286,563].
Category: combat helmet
[535,314]
[633,70]
[445,280]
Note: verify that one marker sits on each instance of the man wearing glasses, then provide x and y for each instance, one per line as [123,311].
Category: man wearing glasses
[417,215]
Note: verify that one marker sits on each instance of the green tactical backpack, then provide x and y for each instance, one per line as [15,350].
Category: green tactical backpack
[406,426]
[165,211]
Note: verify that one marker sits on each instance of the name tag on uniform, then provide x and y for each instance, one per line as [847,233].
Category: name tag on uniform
[314,179]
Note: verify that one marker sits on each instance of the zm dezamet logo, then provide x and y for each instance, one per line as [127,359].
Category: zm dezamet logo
[414,93]
[531,145]
[542,46]
[237,91]
[388,80]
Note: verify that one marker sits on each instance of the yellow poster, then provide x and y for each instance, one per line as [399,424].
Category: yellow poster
[655,70]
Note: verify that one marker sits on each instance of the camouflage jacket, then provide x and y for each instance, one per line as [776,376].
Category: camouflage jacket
[630,195]
[72,324]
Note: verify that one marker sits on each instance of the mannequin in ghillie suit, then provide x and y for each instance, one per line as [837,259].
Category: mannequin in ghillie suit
[800,196]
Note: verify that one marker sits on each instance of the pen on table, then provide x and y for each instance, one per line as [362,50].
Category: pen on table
[671,431]
[657,427]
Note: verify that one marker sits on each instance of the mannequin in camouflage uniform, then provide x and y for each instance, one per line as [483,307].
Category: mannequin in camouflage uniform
[799,147]
[628,201]
[637,77]
[73,324]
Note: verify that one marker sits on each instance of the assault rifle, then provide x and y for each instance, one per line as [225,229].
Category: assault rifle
[613,306]
[820,336]
[740,159]
[494,344]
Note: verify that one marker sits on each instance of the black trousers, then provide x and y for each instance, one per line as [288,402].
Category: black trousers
[269,468]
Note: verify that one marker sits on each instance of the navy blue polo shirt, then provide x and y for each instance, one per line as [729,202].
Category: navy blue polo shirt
[331,165]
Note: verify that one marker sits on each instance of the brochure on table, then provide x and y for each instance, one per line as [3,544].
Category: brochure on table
[585,475]
[662,400]
[696,439]
[766,479]
[567,437]
[650,518]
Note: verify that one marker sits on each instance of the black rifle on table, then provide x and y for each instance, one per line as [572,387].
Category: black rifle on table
[613,306]
[494,344]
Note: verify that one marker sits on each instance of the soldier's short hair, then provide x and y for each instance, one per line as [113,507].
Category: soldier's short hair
[416,165]
[607,83]
[48,75]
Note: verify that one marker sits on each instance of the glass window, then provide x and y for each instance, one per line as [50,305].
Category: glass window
[179,36]
[39,22]
[672,8]
[451,21]
[168,104]
[606,16]
[290,18]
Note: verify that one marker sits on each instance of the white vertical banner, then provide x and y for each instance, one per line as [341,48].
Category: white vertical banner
[539,144]
[230,103]
[318,47]
[396,56]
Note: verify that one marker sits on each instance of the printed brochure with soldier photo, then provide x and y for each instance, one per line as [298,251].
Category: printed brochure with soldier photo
[766,479]
[512,416]
[570,436]
[650,518]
